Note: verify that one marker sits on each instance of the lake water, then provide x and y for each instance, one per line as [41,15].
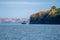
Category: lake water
[29,32]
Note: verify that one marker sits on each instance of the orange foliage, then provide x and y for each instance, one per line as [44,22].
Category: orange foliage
[53,11]
[34,15]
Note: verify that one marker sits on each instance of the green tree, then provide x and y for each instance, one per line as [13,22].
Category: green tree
[53,7]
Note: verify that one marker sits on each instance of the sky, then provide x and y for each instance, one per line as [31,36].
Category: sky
[25,8]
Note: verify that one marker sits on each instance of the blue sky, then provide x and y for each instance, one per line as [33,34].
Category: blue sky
[24,8]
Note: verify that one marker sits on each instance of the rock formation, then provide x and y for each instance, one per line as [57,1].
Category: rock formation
[51,16]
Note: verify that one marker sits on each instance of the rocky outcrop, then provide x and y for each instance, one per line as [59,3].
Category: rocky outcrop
[51,16]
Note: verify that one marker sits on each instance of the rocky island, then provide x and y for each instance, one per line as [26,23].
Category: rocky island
[51,16]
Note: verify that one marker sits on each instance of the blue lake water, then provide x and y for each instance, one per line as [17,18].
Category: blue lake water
[29,32]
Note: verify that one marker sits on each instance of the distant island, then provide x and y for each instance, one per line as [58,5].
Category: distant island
[14,20]
[51,16]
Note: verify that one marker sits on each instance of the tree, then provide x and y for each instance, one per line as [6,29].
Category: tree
[53,7]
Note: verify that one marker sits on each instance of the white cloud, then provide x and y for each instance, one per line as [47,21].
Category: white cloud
[24,3]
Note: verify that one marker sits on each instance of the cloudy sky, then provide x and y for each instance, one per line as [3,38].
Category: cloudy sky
[24,8]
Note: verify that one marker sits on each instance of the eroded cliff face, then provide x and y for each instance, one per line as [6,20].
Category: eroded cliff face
[51,16]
